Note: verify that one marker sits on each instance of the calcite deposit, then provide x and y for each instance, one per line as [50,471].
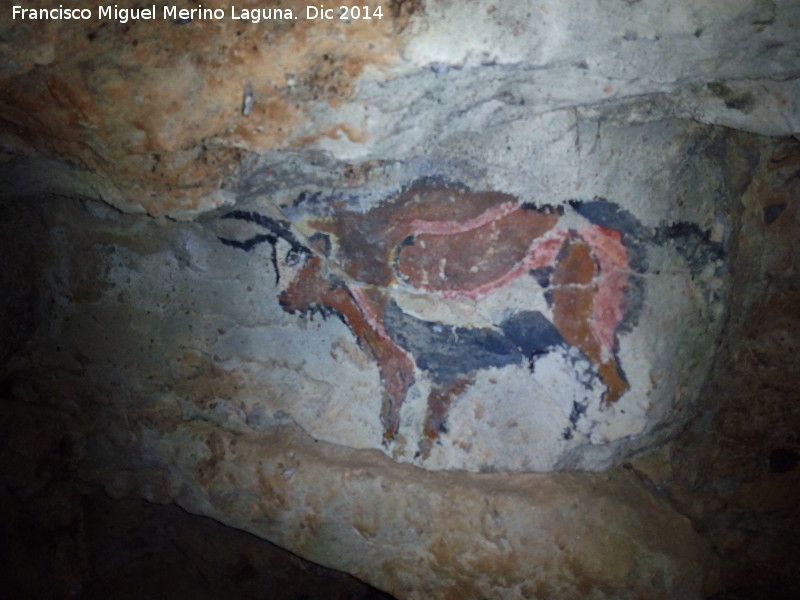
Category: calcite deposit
[448,298]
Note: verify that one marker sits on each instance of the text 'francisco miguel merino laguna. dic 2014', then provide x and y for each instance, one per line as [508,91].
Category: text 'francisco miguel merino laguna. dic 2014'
[185,15]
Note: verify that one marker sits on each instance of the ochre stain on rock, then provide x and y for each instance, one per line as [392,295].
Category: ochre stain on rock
[353,134]
[110,97]
[207,467]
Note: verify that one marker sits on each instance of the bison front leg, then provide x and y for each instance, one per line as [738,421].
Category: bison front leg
[396,368]
[359,310]
[397,375]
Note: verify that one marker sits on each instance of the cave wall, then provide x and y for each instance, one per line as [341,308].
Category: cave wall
[450,300]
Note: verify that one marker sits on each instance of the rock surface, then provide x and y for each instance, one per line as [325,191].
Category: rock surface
[266,270]
[540,361]
[423,535]
[733,471]
[413,533]
[134,349]
[160,126]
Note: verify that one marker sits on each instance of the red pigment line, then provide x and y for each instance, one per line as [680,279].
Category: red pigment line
[543,251]
[451,227]
[606,246]
[607,311]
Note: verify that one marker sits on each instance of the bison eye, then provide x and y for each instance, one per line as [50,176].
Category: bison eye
[295,257]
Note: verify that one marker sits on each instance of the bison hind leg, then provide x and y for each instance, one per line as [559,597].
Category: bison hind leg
[439,401]
[614,378]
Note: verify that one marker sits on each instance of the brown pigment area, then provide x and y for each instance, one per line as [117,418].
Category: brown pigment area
[573,298]
[572,315]
[367,241]
[364,250]
[576,267]
[574,294]
[611,376]
[441,203]
[469,260]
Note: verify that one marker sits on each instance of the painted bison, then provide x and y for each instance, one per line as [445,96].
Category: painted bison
[445,242]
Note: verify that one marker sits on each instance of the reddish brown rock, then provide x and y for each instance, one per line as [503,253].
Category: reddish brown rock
[157,125]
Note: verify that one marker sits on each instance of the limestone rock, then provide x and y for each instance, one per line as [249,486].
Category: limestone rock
[416,534]
[166,121]
[369,89]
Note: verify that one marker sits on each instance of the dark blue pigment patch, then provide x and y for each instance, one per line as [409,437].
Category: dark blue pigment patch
[771,213]
[607,214]
[531,332]
[446,352]
[307,198]
[578,410]
[542,275]
[322,242]
[545,209]
[634,302]
[692,243]
[315,204]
